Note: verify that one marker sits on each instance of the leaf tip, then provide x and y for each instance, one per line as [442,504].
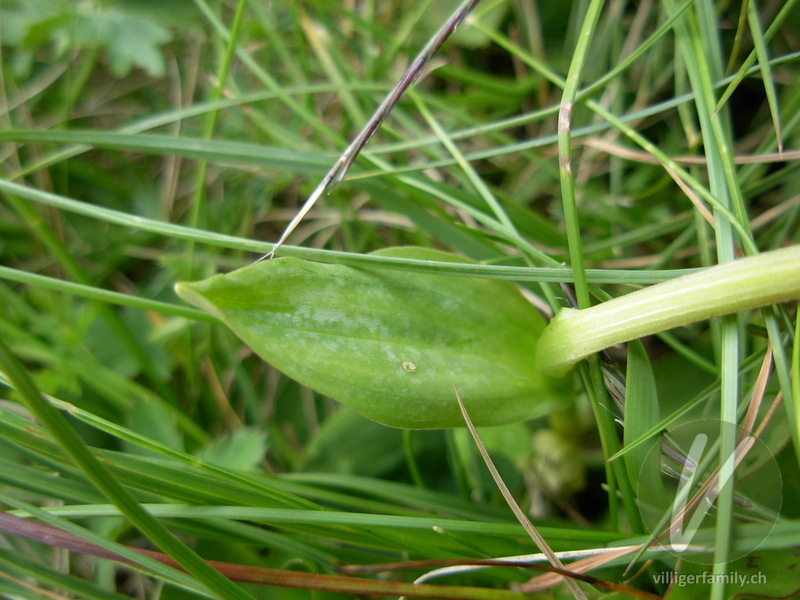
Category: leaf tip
[180,288]
[187,292]
[184,292]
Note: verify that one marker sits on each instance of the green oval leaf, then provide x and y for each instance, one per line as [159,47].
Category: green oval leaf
[388,343]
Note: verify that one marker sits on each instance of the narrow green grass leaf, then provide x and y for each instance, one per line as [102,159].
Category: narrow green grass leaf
[65,487]
[585,38]
[218,151]
[25,568]
[699,43]
[54,244]
[331,63]
[145,563]
[641,413]
[197,206]
[266,493]
[101,295]
[331,517]
[75,447]
[345,258]
[620,123]
[473,177]
[268,80]
[747,66]
[794,409]
[741,25]
[659,108]
[569,202]
[766,72]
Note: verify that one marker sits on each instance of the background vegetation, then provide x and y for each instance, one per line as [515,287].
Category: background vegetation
[148,142]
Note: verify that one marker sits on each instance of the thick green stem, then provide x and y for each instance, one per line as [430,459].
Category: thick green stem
[738,285]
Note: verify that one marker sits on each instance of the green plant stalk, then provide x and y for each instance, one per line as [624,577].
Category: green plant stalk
[210,123]
[731,287]
[568,200]
[615,474]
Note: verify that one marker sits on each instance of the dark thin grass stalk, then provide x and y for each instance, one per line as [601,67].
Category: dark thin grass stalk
[333,177]
[126,143]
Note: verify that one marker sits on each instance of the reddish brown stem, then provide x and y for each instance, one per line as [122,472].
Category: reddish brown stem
[53,536]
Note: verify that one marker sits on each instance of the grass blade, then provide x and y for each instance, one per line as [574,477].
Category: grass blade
[109,486]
